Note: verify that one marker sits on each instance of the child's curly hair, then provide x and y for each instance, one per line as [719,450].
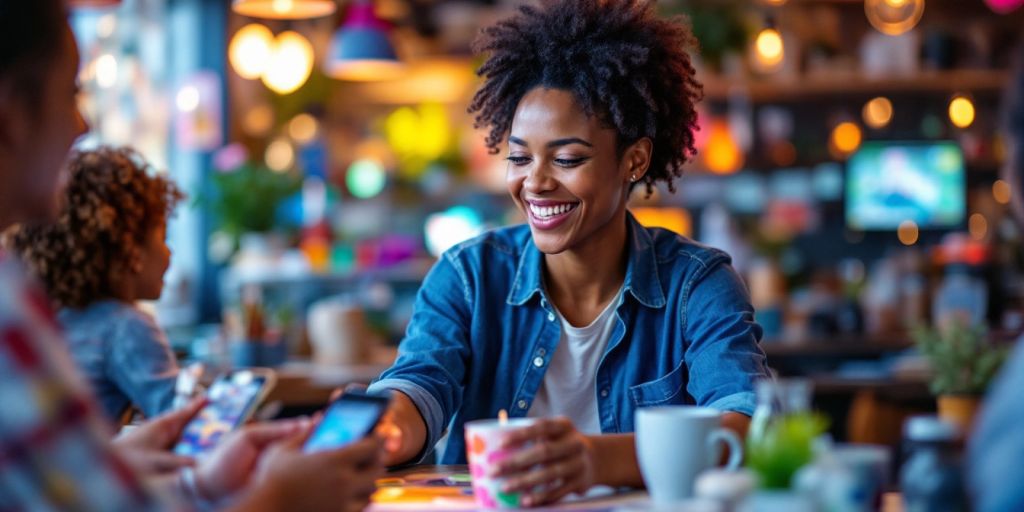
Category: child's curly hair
[618,58]
[110,205]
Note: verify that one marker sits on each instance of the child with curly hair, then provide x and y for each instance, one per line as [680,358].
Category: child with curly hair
[105,251]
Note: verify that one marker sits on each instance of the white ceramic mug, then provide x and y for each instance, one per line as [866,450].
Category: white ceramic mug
[674,444]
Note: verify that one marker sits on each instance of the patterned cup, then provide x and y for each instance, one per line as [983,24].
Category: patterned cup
[483,450]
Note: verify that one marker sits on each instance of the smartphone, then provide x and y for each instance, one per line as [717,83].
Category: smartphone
[349,418]
[233,399]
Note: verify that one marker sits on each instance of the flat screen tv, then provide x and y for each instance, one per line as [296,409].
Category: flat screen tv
[888,183]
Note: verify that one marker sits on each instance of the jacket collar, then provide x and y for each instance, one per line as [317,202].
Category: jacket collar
[642,280]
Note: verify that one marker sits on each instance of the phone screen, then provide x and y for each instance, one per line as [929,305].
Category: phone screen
[231,397]
[348,419]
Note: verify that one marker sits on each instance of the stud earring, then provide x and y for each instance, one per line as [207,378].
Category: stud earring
[632,177]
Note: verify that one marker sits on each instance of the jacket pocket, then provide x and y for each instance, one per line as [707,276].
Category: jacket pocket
[668,389]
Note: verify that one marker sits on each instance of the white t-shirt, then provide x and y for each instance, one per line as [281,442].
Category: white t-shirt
[570,383]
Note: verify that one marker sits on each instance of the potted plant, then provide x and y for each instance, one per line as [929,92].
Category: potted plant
[963,362]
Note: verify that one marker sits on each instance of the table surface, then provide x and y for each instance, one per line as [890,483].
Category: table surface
[417,488]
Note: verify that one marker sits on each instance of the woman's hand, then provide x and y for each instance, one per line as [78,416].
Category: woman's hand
[401,429]
[551,460]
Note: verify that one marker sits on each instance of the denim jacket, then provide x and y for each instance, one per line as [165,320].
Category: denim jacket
[483,331]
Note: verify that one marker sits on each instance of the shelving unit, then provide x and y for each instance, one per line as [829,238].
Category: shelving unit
[717,88]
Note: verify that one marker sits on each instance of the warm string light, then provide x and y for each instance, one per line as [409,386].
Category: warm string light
[961,111]
[769,49]
[878,112]
[846,138]
[894,17]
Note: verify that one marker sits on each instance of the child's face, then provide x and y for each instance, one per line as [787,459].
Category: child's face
[155,258]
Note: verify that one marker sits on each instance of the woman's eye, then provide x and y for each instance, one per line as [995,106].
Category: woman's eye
[569,162]
[518,160]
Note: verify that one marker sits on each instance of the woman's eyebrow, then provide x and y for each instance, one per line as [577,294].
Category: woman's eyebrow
[553,144]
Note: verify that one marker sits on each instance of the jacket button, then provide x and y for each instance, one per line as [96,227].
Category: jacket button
[522,404]
[604,392]
[538,362]
[551,317]
[541,352]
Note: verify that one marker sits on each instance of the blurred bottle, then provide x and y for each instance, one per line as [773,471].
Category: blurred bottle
[932,476]
[782,430]
[960,298]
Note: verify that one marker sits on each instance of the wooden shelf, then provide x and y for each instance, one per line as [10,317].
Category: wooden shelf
[838,348]
[717,88]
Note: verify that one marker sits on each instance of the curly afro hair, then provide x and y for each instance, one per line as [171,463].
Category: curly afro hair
[619,59]
[110,205]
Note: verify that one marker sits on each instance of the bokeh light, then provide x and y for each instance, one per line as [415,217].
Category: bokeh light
[258,121]
[250,50]
[187,99]
[303,128]
[877,113]
[908,232]
[106,71]
[769,49]
[977,225]
[846,137]
[446,229]
[961,112]
[722,154]
[1001,192]
[894,17]
[280,155]
[290,64]
[366,178]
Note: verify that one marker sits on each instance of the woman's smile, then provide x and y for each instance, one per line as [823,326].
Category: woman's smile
[549,214]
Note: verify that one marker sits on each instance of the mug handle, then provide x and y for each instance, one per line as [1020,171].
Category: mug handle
[732,441]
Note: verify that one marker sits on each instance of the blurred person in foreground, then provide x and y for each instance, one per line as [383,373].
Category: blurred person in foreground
[996,446]
[105,251]
[54,448]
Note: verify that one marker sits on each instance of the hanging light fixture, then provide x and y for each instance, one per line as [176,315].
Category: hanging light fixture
[290,64]
[361,50]
[250,50]
[94,4]
[769,50]
[284,9]
[894,17]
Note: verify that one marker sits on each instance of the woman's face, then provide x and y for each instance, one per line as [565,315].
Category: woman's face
[564,172]
[40,137]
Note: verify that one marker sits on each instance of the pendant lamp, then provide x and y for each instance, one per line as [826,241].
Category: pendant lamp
[284,9]
[361,49]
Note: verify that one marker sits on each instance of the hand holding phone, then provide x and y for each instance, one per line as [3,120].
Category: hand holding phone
[350,418]
[232,399]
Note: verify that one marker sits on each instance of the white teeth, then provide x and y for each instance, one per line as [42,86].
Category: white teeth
[550,211]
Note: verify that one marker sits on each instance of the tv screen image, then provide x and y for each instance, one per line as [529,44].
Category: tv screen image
[888,183]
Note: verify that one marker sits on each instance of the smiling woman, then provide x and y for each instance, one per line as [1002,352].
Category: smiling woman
[582,316]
